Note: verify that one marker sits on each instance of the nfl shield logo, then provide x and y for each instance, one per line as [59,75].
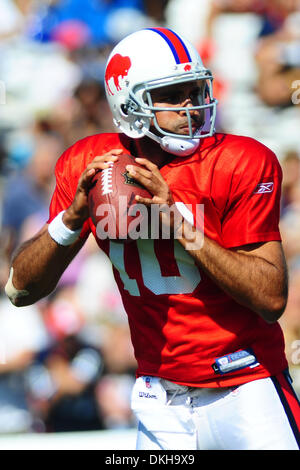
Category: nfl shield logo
[148,382]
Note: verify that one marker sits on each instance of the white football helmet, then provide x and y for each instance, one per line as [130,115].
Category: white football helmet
[150,59]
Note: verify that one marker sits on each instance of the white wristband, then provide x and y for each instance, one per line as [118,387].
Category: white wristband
[60,233]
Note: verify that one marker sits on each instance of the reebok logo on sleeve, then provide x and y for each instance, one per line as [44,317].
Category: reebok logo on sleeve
[262,188]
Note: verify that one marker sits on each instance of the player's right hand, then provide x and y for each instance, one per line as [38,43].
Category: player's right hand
[75,216]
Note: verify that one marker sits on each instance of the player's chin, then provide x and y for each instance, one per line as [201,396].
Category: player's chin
[192,130]
[187,131]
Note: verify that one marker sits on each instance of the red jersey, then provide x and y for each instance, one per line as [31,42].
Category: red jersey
[180,320]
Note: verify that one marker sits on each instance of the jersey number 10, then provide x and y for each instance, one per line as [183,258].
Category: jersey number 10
[186,283]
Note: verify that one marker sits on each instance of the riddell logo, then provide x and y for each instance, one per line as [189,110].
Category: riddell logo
[117,68]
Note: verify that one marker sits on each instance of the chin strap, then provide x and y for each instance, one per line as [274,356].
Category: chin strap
[179,147]
[175,145]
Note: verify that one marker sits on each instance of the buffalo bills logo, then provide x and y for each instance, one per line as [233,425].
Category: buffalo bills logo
[117,68]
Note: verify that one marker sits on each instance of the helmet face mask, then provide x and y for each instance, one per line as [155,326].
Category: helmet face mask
[131,100]
[204,103]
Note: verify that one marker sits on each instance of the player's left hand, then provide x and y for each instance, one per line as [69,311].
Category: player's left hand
[150,177]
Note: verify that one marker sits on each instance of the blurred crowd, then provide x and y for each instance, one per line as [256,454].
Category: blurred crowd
[66,363]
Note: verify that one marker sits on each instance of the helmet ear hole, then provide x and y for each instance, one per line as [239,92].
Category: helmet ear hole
[124,109]
[146,98]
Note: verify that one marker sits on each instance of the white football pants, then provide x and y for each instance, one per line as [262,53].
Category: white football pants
[259,415]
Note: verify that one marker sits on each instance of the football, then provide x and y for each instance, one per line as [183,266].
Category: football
[112,205]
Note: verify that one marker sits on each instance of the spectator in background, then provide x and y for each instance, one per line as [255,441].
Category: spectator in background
[74,23]
[291,325]
[113,394]
[272,12]
[156,11]
[290,230]
[291,179]
[14,16]
[290,218]
[83,115]
[27,191]
[61,383]
[278,61]
[277,57]
[22,337]
[114,390]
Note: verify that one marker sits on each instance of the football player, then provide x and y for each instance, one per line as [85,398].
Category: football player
[203,306]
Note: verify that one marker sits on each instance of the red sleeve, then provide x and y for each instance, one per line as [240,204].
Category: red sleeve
[65,190]
[253,208]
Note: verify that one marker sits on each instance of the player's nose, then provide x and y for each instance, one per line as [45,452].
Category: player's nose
[187,103]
